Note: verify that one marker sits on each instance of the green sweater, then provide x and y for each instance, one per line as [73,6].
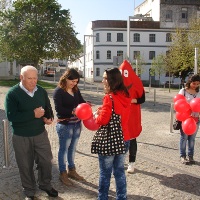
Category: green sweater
[19,107]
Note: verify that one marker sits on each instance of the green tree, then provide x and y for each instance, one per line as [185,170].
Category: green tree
[37,29]
[138,65]
[180,57]
[158,66]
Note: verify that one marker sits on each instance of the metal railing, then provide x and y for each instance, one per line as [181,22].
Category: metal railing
[6,143]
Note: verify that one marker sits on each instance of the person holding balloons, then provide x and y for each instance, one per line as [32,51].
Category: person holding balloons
[66,98]
[191,93]
[114,86]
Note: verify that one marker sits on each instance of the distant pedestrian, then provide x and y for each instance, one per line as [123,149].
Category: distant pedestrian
[190,92]
[116,97]
[28,109]
[66,97]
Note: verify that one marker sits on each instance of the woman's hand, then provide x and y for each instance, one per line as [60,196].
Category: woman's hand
[134,101]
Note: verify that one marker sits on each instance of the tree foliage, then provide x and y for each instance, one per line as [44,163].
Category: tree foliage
[158,66]
[180,57]
[138,65]
[37,29]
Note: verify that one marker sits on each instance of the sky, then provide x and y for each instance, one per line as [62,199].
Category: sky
[85,11]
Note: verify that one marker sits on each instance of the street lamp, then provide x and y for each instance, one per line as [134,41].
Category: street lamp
[54,68]
[84,52]
[128,32]
[196,61]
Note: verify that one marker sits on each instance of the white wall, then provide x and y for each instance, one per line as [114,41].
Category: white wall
[8,70]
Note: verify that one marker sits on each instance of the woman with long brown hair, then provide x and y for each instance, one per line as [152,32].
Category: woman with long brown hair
[66,98]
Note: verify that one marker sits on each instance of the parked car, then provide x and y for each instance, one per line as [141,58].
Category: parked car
[49,71]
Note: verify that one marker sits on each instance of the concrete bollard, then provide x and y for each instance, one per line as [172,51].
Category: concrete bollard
[5,141]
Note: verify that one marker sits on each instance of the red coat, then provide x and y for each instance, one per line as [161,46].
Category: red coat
[121,107]
[135,88]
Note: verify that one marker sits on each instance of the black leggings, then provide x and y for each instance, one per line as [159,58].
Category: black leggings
[132,150]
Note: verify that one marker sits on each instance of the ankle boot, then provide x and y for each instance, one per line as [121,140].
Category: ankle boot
[64,178]
[73,175]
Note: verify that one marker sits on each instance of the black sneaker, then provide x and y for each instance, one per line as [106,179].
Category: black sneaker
[184,160]
[52,192]
[191,160]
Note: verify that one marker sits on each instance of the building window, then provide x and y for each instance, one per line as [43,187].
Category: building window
[152,55]
[184,14]
[168,16]
[136,37]
[168,37]
[97,55]
[152,38]
[97,71]
[136,54]
[120,53]
[108,37]
[108,54]
[119,37]
[97,37]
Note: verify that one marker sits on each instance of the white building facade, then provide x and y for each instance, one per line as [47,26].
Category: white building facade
[109,46]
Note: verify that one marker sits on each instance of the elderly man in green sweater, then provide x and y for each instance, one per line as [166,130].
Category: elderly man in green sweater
[28,109]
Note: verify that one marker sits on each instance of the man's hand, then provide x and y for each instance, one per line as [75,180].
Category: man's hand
[39,112]
[47,121]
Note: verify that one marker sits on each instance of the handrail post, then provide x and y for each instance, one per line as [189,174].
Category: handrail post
[6,144]
[171,117]
[154,96]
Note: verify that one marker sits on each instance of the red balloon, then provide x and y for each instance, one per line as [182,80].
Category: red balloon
[91,124]
[83,111]
[195,104]
[189,126]
[182,116]
[181,105]
[178,96]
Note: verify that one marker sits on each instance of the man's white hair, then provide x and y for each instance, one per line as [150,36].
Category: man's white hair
[27,68]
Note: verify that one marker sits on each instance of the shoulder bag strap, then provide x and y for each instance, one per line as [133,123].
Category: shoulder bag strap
[112,102]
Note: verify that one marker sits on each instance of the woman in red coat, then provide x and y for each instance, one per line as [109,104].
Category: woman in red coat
[117,93]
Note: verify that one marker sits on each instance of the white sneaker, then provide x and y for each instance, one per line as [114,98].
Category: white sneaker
[131,167]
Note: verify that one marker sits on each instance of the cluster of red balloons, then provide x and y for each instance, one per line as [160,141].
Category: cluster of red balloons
[84,112]
[183,113]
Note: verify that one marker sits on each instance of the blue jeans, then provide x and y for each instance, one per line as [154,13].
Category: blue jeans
[108,164]
[191,141]
[69,135]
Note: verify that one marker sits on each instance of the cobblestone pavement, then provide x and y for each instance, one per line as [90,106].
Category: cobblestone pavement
[159,175]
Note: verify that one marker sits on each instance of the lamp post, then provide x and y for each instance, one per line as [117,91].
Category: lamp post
[54,68]
[128,32]
[84,52]
[196,61]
